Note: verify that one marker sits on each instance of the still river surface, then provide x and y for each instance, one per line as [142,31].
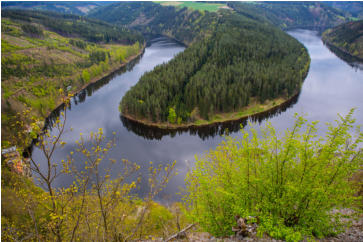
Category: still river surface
[332,86]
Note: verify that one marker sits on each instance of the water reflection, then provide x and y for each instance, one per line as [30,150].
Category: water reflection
[354,62]
[82,95]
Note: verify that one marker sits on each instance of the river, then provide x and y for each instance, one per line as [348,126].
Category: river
[332,86]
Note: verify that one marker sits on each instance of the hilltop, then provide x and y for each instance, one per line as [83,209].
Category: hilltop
[292,15]
[74,7]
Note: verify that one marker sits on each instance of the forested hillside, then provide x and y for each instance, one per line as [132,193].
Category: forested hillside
[73,7]
[354,8]
[288,15]
[183,24]
[75,26]
[347,37]
[152,17]
[44,52]
[243,61]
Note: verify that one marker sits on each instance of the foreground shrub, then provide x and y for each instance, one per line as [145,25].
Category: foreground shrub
[96,206]
[291,183]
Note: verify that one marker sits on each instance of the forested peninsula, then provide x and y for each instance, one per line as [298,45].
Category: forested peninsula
[244,66]
[347,37]
[43,52]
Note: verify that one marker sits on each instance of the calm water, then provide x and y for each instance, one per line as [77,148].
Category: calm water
[332,86]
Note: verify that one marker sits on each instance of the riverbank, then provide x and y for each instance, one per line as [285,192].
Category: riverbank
[340,52]
[346,38]
[253,109]
[106,74]
[59,102]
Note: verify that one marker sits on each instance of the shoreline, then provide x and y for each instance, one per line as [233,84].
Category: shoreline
[331,46]
[96,79]
[167,126]
[28,148]
[206,123]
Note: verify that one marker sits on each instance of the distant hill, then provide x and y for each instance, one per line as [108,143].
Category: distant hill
[347,37]
[126,13]
[79,8]
[288,15]
[74,25]
[183,24]
[355,8]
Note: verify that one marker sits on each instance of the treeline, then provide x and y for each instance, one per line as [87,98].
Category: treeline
[76,26]
[183,24]
[72,7]
[151,17]
[243,59]
[287,15]
[126,12]
[347,37]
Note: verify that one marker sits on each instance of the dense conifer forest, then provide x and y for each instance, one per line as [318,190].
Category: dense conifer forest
[243,59]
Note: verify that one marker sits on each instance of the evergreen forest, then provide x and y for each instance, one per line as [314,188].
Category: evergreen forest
[242,60]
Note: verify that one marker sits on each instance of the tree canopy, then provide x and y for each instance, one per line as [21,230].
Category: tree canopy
[242,59]
[74,25]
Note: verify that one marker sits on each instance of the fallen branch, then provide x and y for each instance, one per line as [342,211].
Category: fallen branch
[181,233]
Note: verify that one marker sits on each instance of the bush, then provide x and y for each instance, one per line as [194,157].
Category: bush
[32,30]
[97,56]
[86,76]
[292,184]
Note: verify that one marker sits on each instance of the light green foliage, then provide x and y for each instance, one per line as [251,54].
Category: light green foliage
[39,91]
[121,53]
[86,76]
[95,206]
[172,115]
[292,183]
[179,121]
[7,47]
[48,61]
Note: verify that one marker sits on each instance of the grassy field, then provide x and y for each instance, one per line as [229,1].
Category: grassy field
[34,69]
[211,7]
